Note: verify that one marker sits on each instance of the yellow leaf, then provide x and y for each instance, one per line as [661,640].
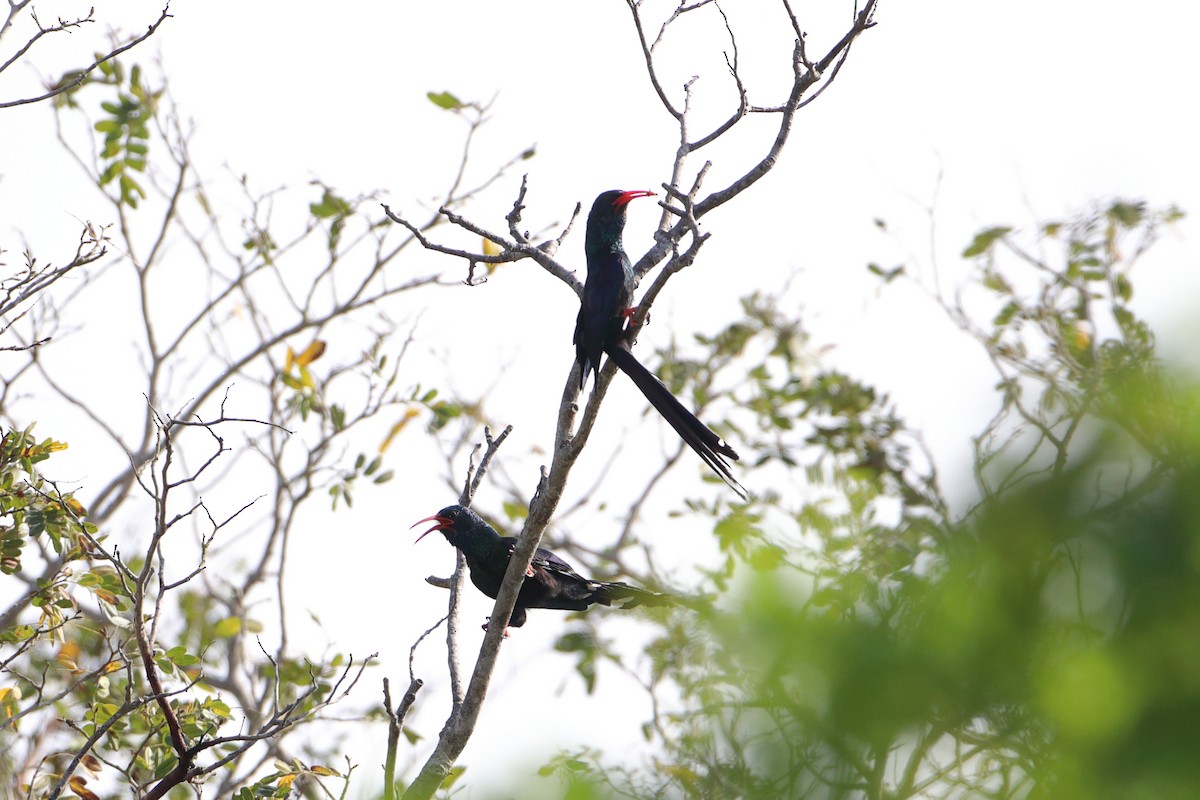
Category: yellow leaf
[1083,335]
[285,781]
[8,700]
[67,655]
[290,360]
[311,353]
[318,770]
[399,426]
[113,666]
[490,248]
[79,787]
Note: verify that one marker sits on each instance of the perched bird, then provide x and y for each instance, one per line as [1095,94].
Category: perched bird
[600,328]
[550,582]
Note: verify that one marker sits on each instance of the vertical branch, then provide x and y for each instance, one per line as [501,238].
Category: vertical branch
[395,726]
[567,443]
[461,724]
[453,614]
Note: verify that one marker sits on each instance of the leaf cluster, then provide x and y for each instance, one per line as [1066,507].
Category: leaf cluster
[1033,645]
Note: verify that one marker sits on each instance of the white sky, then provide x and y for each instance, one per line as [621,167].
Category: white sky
[1019,105]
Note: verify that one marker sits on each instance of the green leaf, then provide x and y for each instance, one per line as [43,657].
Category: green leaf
[187,660]
[453,775]
[1124,288]
[995,281]
[179,656]
[113,170]
[515,511]
[766,558]
[227,628]
[330,206]
[984,240]
[732,530]
[166,766]
[1126,213]
[103,712]
[445,100]
[888,275]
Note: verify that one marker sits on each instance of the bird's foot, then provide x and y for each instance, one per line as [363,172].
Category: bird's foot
[507,630]
[529,571]
[629,312]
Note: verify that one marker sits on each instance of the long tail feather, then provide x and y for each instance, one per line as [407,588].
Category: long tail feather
[707,444]
[628,596]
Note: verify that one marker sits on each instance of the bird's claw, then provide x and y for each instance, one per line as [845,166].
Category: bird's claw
[506,634]
[629,313]
[629,328]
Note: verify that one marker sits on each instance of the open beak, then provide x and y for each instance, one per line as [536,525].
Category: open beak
[634,194]
[442,524]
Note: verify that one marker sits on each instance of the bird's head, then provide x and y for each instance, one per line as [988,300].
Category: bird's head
[444,519]
[615,200]
[461,526]
[606,220]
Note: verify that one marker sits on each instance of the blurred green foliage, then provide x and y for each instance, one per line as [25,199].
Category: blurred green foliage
[126,129]
[864,641]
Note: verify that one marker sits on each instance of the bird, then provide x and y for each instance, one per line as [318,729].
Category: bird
[604,309]
[550,582]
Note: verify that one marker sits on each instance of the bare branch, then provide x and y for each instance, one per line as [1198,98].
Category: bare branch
[395,725]
[79,77]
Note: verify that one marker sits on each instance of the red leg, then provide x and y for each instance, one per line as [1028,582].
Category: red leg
[629,312]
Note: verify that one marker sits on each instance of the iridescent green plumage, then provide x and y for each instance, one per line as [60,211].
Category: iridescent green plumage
[550,582]
[599,328]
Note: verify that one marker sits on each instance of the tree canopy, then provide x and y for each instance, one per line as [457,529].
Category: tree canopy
[847,630]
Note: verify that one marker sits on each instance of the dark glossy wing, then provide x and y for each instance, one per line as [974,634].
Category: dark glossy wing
[605,296]
[543,559]
[547,560]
